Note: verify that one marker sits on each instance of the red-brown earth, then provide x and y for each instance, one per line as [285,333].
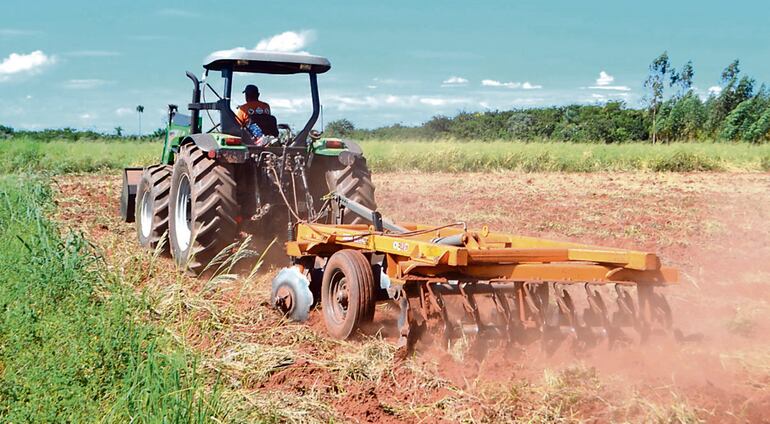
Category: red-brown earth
[715,227]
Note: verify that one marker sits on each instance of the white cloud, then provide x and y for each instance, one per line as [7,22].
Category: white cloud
[454,80]
[86,116]
[289,105]
[525,85]
[124,111]
[495,83]
[715,90]
[604,79]
[24,63]
[84,84]
[438,101]
[288,42]
[371,87]
[610,87]
[285,42]
[390,101]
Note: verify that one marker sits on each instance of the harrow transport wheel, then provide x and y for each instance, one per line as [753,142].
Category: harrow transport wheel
[151,211]
[202,210]
[347,293]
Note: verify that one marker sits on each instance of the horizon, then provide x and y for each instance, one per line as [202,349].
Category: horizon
[413,62]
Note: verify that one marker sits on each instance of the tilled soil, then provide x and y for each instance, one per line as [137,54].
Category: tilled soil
[714,227]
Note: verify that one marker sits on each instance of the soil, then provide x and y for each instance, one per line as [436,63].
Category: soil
[714,227]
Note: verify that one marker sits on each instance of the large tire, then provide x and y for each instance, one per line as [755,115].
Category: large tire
[203,209]
[151,209]
[347,293]
[353,181]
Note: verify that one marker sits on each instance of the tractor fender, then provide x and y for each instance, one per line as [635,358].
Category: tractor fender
[353,147]
[354,152]
[205,142]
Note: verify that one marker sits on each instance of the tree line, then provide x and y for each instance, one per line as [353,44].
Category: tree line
[737,111]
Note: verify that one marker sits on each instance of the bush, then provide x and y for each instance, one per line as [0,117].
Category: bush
[682,161]
[71,347]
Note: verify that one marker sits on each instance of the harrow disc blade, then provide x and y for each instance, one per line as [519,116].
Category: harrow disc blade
[291,294]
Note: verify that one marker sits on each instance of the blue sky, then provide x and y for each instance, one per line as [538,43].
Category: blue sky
[87,64]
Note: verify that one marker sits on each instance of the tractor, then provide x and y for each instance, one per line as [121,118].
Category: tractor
[211,188]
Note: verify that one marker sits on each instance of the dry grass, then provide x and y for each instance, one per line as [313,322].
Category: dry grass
[275,371]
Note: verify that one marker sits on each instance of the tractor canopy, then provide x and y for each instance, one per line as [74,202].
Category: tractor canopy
[263,62]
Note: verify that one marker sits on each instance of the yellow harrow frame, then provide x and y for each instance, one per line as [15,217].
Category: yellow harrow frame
[479,283]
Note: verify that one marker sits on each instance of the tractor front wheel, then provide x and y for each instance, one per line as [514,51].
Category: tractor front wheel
[151,213]
[203,209]
[347,293]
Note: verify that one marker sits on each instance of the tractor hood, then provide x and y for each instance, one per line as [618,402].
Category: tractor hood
[254,61]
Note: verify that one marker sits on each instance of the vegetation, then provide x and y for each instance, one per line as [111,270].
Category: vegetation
[72,347]
[61,157]
[24,154]
[734,111]
[444,156]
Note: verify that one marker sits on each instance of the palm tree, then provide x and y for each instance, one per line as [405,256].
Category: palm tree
[140,111]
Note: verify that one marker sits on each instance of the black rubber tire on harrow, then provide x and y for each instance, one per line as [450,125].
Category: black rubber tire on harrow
[212,209]
[353,181]
[351,269]
[153,193]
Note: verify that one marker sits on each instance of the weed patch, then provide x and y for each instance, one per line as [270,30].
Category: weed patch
[71,349]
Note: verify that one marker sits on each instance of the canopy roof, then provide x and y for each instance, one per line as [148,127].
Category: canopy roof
[255,61]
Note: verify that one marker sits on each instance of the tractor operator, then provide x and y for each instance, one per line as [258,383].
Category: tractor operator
[253,105]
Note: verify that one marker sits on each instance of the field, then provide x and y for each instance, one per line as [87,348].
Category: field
[436,156]
[136,337]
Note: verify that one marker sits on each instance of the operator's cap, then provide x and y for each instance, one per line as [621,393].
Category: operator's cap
[251,89]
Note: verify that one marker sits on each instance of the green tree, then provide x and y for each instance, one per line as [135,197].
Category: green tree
[119,131]
[140,111]
[5,132]
[340,128]
[684,117]
[659,69]
[735,90]
[683,79]
[159,133]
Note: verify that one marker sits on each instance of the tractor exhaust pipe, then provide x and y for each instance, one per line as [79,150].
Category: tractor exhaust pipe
[195,126]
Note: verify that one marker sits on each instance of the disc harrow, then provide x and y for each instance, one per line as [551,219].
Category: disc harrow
[453,283]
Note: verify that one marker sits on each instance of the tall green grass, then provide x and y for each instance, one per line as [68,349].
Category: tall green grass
[72,348]
[452,156]
[426,156]
[65,157]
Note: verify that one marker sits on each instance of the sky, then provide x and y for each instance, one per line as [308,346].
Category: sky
[87,64]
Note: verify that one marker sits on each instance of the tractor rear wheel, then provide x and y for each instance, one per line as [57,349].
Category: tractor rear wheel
[347,293]
[203,209]
[151,211]
[353,181]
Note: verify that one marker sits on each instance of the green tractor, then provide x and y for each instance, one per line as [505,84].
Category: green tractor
[212,188]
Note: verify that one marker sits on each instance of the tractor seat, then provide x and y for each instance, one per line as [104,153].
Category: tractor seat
[267,123]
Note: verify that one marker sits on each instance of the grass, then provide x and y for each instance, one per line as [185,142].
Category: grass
[61,157]
[563,157]
[72,346]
